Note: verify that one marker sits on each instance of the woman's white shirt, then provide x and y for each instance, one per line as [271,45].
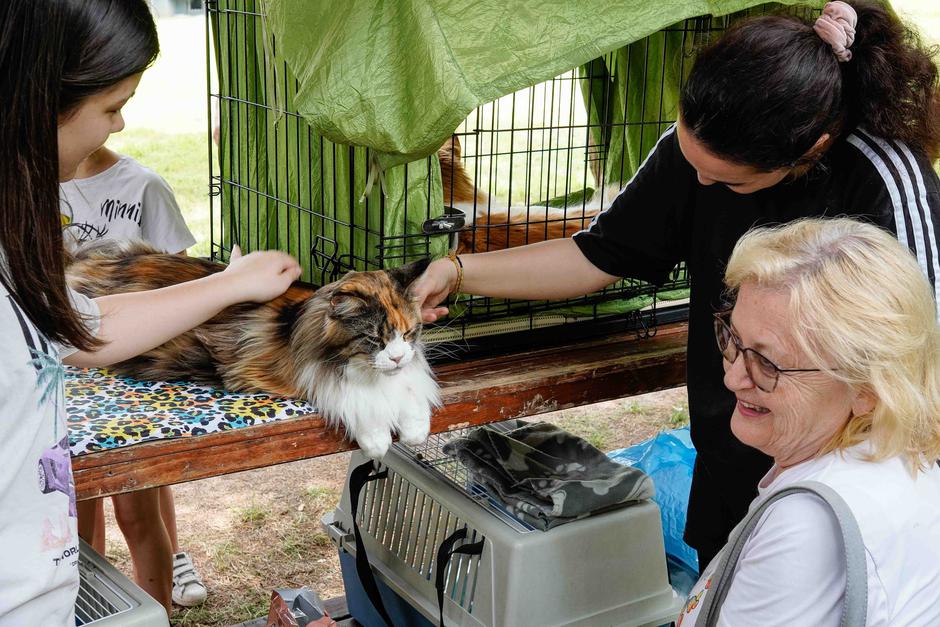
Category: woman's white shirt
[792,569]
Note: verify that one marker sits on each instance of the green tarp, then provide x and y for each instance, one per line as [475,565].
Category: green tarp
[400,75]
[315,94]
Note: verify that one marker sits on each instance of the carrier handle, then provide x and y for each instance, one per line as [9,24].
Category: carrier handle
[444,553]
[360,476]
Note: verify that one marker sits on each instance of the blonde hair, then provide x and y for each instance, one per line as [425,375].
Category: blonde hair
[863,311]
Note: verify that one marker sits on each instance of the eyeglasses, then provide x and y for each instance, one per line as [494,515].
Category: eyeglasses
[763,372]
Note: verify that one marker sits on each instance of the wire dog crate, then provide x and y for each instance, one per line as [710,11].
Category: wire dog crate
[533,165]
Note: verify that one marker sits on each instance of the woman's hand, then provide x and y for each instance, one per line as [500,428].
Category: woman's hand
[432,287]
[260,276]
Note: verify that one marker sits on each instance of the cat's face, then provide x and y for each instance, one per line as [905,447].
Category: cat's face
[372,323]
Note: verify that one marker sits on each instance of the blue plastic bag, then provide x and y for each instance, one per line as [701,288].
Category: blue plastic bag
[668,459]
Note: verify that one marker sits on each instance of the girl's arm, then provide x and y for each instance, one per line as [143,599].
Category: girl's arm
[132,324]
[544,271]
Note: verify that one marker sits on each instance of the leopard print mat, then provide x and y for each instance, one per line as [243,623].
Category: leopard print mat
[105,411]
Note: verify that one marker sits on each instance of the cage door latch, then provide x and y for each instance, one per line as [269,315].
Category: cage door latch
[334,529]
[452,221]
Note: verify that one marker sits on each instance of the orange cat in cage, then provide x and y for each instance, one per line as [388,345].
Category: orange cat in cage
[493,228]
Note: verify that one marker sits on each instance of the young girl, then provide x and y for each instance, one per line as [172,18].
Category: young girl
[66,69]
[114,197]
[779,119]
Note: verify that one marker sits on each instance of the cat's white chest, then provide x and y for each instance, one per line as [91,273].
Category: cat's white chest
[373,404]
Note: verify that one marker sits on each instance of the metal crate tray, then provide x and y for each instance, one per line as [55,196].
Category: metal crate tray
[431,457]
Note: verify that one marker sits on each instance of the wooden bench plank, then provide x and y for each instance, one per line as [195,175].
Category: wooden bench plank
[475,392]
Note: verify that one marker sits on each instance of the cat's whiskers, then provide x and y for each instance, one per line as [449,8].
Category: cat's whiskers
[442,348]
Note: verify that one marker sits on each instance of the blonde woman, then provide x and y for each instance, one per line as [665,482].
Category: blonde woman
[832,350]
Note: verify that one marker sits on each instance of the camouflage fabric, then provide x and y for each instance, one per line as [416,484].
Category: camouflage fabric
[546,476]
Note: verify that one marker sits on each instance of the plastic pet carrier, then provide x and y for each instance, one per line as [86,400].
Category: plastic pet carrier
[427,528]
[106,598]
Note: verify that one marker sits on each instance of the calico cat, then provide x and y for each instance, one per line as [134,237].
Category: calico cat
[495,228]
[352,348]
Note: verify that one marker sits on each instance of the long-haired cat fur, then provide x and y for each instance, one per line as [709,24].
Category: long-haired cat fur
[496,228]
[352,347]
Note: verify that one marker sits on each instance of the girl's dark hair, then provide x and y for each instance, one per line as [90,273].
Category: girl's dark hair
[53,55]
[764,93]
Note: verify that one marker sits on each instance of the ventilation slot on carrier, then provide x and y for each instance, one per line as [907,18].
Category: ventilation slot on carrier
[412,525]
[97,599]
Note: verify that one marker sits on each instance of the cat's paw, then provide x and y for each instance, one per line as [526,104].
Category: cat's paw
[414,424]
[374,443]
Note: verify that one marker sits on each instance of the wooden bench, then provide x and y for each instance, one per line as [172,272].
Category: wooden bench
[475,391]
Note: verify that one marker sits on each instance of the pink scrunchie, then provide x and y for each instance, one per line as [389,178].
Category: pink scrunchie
[836,27]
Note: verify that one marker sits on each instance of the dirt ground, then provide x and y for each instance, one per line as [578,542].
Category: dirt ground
[254,531]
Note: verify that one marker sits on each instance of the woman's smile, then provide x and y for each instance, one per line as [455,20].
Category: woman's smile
[751,410]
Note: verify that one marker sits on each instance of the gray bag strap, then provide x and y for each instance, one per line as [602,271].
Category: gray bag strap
[855,603]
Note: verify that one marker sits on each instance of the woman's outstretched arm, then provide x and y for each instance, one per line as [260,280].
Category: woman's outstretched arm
[549,270]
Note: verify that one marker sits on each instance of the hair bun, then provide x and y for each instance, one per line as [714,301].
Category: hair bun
[836,27]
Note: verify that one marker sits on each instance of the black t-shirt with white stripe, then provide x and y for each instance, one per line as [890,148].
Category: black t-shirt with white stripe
[664,215]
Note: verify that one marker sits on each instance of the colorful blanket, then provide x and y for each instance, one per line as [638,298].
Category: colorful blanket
[105,411]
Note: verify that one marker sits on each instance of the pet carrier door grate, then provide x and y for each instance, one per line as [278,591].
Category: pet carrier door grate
[411,525]
[92,604]
[532,165]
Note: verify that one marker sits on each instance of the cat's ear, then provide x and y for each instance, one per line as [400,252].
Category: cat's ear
[345,304]
[405,275]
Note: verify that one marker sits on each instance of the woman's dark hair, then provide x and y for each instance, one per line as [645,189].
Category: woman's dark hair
[53,55]
[764,93]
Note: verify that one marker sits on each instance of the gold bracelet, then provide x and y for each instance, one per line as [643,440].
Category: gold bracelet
[452,255]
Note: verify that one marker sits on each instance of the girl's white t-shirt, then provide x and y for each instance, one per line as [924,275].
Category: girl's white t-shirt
[126,201]
[792,569]
[38,532]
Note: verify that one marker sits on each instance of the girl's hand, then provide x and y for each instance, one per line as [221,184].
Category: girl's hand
[260,276]
[432,287]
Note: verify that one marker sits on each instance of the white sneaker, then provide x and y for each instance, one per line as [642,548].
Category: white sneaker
[188,589]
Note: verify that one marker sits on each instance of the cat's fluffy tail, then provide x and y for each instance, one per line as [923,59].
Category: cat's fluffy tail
[113,249]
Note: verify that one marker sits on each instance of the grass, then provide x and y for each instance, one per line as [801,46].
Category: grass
[679,416]
[226,551]
[250,602]
[320,494]
[922,14]
[587,425]
[253,514]
[631,406]
[272,538]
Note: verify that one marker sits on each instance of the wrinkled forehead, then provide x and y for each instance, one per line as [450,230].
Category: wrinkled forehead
[762,320]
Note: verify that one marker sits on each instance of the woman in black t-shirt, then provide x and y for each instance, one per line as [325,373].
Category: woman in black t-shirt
[779,120]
